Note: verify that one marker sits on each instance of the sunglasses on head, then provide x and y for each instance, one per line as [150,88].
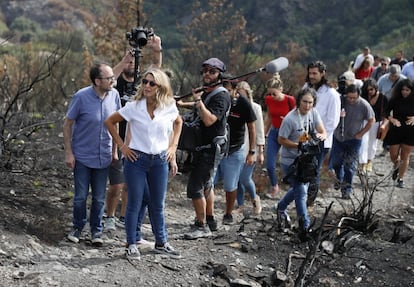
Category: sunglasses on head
[151,83]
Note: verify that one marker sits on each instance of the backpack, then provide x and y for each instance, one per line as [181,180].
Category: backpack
[191,136]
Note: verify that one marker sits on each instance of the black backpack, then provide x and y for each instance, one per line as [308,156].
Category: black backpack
[191,137]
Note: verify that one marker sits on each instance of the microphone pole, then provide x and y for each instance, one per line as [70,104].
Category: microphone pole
[272,67]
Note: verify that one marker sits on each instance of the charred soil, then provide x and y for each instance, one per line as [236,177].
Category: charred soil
[36,209]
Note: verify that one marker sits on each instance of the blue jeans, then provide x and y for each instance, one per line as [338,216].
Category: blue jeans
[142,212]
[271,155]
[95,178]
[246,183]
[344,160]
[297,192]
[229,170]
[148,171]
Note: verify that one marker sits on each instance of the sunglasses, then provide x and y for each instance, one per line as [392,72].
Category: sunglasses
[210,71]
[151,83]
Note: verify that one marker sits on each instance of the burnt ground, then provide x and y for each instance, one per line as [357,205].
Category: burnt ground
[373,247]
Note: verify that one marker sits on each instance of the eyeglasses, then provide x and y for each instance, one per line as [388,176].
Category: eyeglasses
[210,71]
[111,78]
[151,83]
[383,64]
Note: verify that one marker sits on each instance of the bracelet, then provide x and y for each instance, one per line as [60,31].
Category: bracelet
[196,101]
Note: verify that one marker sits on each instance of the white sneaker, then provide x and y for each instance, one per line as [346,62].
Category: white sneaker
[110,224]
[132,252]
[257,206]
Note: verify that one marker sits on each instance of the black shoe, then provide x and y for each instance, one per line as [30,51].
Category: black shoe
[198,230]
[303,232]
[395,173]
[167,249]
[400,183]
[211,222]
[283,220]
[228,219]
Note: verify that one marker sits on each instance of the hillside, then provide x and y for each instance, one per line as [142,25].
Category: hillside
[328,30]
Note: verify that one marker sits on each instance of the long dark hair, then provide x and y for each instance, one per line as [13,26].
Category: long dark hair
[367,84]
[396,92]
[322,69]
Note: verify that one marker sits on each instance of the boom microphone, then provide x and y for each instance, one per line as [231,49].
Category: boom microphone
[271,67]
[276,65]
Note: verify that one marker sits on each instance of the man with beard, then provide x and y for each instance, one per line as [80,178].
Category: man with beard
[89,149]
[212,107]
[328,105]
[124,72]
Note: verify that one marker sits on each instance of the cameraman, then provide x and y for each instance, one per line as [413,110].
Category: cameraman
[295,131]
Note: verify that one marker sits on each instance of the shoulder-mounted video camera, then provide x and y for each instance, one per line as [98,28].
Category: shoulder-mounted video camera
[138,37]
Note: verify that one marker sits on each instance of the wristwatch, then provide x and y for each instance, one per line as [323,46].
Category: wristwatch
[252,151]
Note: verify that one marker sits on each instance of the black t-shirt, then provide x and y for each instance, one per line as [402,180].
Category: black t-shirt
[218,105]
[126,92]
[241,113]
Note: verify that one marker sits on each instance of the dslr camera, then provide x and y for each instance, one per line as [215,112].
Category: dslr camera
[310,147]
[138,37]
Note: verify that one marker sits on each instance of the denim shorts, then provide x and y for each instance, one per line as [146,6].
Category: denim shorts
[116,172]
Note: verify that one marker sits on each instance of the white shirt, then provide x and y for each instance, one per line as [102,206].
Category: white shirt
[260,136]
[360,58]
[328,105]
[148,135]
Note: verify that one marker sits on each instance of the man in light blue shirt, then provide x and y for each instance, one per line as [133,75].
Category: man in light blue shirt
[88,148]
[389,80]
[408,70]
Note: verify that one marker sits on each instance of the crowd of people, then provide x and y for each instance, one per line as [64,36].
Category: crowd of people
[128,133]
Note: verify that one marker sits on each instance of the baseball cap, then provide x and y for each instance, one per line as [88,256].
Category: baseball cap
[216,63]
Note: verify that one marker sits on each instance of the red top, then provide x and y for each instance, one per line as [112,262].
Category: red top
[363,74]
[277,110]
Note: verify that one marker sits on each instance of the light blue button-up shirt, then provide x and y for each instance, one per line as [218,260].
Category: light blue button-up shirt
[91,141]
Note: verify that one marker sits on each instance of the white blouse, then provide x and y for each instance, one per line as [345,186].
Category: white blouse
[148,135]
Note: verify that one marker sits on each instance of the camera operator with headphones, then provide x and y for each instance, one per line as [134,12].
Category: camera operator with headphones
[212,107]
[299,129]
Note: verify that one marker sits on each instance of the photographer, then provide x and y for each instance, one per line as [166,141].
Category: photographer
[295,136]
